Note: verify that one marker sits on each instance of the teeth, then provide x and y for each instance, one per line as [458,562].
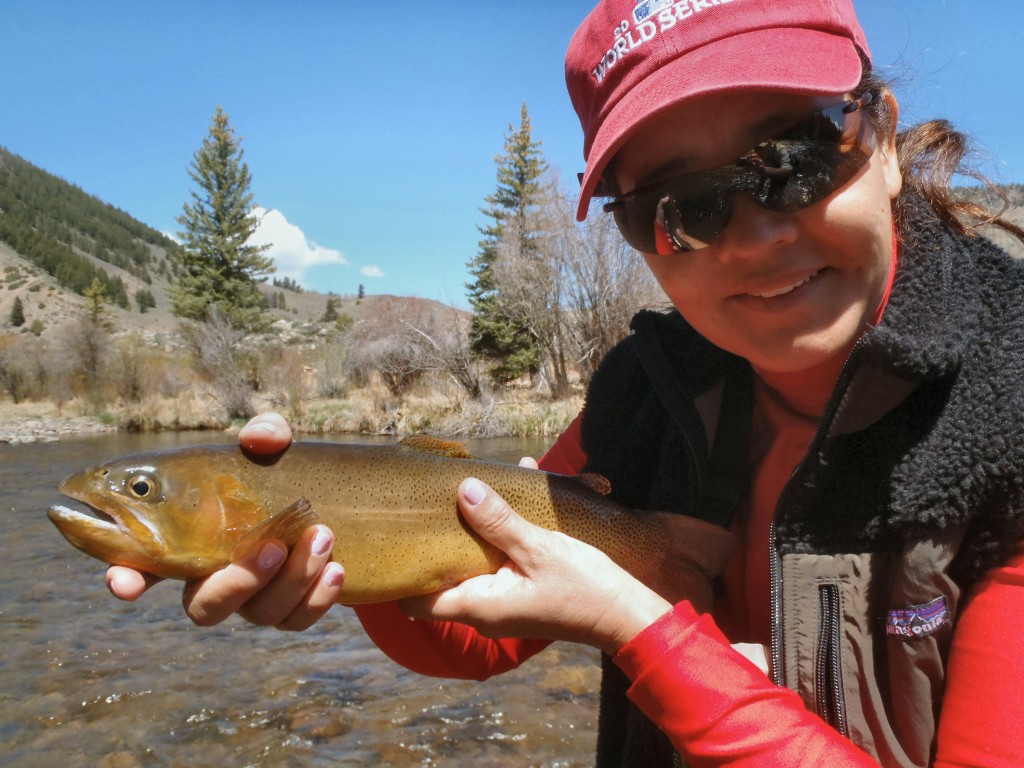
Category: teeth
[783,291]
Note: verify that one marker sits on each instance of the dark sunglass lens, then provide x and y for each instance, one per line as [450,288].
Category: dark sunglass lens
[798,168]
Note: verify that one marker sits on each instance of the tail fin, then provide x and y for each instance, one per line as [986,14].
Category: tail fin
[695,553]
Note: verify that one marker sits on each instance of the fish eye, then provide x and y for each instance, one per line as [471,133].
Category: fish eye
[142,486]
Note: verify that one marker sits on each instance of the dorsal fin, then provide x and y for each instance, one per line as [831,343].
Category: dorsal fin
[450,448]
[597,483]
[286,525]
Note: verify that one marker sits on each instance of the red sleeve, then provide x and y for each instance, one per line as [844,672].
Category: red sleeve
[448,649]
[566,456]
[442,648]
[982,721]
[717,707]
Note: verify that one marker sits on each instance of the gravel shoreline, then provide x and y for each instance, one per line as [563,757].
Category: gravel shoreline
[49,430]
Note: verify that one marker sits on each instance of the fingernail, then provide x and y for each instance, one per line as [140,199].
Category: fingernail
[474,491]
[322,542]
[264,426]
[270,556]
[334,575]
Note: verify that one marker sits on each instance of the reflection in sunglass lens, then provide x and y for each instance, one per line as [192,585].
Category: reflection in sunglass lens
[794,170]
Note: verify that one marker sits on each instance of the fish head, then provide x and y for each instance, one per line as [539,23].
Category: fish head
[176,514]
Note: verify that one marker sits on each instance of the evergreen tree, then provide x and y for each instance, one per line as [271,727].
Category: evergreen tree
[330,311]
[96,301]
[221,270]
[17,316]
[144,300]
[494,335]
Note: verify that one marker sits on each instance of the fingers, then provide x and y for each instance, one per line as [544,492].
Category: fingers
[303,590]
[213,599]
[128,584]
[268,589]
[528,462]
[265,434]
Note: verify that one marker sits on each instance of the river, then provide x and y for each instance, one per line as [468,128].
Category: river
[92,682]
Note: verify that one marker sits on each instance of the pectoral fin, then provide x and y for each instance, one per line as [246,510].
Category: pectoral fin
[286,525]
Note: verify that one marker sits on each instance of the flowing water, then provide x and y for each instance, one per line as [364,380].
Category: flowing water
[87,681]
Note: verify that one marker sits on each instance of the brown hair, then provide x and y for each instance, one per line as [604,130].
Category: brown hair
[930,154]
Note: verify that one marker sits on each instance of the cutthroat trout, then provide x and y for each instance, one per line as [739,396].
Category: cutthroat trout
[185,513]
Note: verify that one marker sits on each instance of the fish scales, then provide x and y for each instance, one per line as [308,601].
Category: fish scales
[187,512]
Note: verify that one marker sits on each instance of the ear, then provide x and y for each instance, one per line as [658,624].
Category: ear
[887,147]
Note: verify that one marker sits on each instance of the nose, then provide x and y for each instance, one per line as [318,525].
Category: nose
[754,230]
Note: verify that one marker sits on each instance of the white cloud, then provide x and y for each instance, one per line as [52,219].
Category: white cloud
[292,253]
[372,272]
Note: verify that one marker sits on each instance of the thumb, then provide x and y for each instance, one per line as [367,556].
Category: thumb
[494,520]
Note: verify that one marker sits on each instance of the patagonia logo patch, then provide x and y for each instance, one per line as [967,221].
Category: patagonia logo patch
[918,620]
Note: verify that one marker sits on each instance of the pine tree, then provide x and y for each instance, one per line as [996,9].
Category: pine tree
[330,311]
[494,336]
[96,301]
[144,300]
[17,316]
[221,270]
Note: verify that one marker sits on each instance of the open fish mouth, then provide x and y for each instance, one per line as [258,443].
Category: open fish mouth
[95,518]
[99,533]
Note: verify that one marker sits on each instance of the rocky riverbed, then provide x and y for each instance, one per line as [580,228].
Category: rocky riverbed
[49,429]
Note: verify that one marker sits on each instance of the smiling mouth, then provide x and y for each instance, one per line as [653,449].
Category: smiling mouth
[788,289]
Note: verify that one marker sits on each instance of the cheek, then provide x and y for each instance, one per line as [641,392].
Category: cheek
[858,226]
[677,277]
[690,288]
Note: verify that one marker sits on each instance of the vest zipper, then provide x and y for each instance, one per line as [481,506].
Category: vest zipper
[778,672]
[828,673]
[775,582]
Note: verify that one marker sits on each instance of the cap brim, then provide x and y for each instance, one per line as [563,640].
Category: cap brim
[765,59]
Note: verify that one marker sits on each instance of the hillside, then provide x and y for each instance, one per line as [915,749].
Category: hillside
[55,239]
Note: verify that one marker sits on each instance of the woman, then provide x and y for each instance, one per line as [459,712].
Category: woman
[840,387]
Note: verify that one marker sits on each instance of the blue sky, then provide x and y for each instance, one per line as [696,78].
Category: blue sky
[371,128]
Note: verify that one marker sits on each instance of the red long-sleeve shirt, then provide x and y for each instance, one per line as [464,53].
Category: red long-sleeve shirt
[719,708]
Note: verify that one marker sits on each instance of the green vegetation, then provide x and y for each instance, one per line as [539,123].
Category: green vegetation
[17,316]
[221,269]
[507,344]
[288,284]
[54,224]
[144,300]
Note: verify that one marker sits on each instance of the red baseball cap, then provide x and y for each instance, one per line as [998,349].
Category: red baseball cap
[632,59]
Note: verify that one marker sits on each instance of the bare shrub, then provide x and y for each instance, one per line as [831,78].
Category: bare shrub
[85,349]
[225,364]
[400,342]
[327,359]
[574,286]
[22,368]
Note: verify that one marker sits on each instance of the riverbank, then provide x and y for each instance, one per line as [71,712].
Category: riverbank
[45,423]
[516,414]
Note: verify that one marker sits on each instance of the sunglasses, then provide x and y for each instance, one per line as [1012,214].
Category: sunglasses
[789,172]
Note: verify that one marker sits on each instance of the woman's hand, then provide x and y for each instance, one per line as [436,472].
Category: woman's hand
[552,587]
[269,587]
